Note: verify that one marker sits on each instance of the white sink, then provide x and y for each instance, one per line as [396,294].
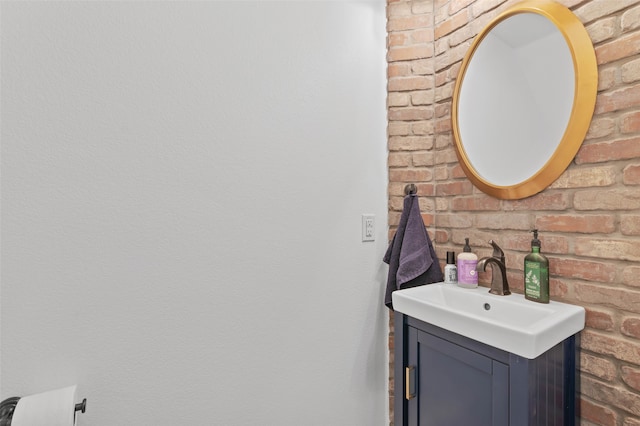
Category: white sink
[510,323]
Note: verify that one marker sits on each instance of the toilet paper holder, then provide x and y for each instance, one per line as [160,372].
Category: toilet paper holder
[8,406]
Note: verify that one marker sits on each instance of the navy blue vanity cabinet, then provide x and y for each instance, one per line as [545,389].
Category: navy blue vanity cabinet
[445,379]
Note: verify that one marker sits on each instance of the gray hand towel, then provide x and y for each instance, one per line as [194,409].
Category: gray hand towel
[411,257]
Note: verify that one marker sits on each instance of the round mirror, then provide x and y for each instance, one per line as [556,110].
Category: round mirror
[524,99]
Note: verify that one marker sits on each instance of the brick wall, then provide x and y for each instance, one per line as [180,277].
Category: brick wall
[589,218]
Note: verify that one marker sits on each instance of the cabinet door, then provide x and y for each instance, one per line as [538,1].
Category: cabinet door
[455,386]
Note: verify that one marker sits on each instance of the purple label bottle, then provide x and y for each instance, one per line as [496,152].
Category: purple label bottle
[467,262]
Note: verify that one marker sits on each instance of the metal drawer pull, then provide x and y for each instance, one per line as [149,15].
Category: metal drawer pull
[410,382]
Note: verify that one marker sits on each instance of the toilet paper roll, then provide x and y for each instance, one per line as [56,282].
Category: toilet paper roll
[53,408]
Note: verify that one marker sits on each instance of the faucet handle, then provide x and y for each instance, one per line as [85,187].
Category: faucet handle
[497,251]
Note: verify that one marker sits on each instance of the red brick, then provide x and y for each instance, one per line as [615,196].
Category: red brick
[586,177]
[616,297]
[518,221]
[631,422]
[422,127]
[631,276]
[607,78]
[456,5]
[442,204]
[607,344]
[597,414]
[603,29]
[616,100]
[402,84]
[398,129]
[396,189]
[457,172]
[478,203]
[601,127]
[480,7]
[620,149]
[424,67]
[630,123]
[614,249]
[442,78]
[398,99]
[630,72]
[630,225]
[444,110]
[631,377]
[410,114]
[599,367]
[421,36]
[398,39]
[443,125]
[583,269]
[426,189]
[446,154]
[622,47]
[452,55]
[577,223]
[631,19]
[399,159]
[401,69]
[408,53]
[631,327]
[607,394]
[454,188]
[414,143]
[422,159]
[442,237]
[396,203]
[454,22]
[444,93]
[556,244]
[427,204]
[598,319]
[410,175]
[398,9]
[607,199]
[427,219]
[441,173]
[422,97]
[457,220]
[631,174]
[541,201]
[516,282]
[402,23]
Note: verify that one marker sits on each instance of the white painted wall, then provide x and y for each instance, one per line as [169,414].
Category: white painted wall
[182,190]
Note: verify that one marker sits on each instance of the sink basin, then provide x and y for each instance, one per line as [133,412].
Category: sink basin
[510,323]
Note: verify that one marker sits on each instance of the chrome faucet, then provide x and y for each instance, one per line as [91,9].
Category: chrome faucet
[499,283]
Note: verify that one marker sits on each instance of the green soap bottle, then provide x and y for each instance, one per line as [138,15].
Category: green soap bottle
[536,273]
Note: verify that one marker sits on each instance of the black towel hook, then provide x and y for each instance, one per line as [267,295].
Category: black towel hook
[82,407]
[410,189]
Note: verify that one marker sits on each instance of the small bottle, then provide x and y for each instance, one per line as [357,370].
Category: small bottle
[467,262]
[536,273]
[450,270]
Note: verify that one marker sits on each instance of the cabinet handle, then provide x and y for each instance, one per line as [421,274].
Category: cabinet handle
[410,382]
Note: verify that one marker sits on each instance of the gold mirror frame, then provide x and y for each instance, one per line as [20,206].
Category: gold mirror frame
[585,91]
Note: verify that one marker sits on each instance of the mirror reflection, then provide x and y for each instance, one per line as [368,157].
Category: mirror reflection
[523,69]
[524,99]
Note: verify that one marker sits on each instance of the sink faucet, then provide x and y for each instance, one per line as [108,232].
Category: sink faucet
[499,283]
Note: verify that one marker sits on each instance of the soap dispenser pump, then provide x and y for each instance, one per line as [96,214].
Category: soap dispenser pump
[536,273]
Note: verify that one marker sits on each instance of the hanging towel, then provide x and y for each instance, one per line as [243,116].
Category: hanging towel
[411,257]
